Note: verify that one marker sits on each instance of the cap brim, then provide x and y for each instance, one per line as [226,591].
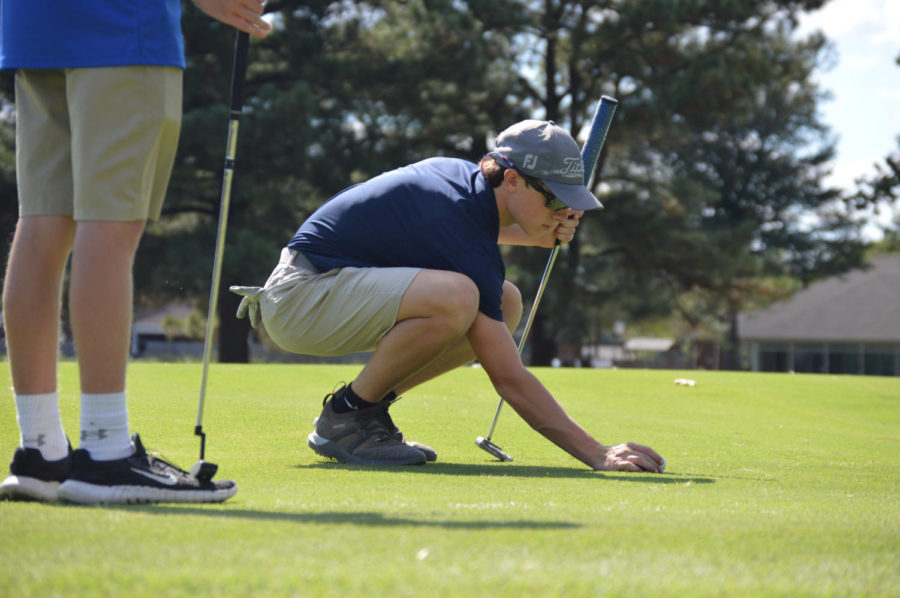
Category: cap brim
[575,196]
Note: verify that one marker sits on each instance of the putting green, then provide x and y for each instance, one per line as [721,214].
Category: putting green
[777,485]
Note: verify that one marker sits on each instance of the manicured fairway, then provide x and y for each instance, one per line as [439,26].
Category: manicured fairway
[777,485]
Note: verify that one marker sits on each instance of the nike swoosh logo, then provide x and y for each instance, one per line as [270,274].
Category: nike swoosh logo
[168,480]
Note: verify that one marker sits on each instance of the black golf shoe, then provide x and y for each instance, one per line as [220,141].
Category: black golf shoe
[140,478]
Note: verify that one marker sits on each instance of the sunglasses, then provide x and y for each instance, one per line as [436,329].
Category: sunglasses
[553,202]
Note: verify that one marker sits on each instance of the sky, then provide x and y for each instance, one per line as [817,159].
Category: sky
[864,112]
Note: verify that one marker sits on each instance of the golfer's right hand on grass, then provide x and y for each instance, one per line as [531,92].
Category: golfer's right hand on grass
[246,15]
[632,457]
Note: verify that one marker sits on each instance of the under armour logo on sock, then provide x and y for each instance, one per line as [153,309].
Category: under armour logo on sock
[38,441]
[99,434]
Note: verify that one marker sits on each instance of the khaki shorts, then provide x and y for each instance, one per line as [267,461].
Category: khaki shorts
[96,143]
[342,311]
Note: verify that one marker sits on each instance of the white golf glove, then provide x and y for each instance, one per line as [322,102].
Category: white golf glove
[249,303]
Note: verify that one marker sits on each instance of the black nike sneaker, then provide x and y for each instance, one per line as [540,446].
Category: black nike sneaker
[140,478]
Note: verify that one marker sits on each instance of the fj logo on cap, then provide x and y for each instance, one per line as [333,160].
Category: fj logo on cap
[530,161]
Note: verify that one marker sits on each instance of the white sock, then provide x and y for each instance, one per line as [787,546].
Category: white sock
[40,426]
[104,426]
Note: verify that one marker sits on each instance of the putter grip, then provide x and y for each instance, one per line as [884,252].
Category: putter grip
[590,153]
[239,71]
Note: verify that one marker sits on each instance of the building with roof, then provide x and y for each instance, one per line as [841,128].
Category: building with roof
[150,337]
[846,324]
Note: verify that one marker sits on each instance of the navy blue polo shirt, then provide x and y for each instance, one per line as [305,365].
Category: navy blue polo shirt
[438,214]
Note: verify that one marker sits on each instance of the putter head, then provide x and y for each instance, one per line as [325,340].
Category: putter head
[203,470]
[488,446]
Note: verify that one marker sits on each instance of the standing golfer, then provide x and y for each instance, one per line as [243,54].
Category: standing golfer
[407,265]
[98,113]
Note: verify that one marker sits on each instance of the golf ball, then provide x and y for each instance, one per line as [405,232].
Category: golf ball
[662,467]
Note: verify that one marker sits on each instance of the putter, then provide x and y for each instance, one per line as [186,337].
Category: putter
[204,470]
[590,153]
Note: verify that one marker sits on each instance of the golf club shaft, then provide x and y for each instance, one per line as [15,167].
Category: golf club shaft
[538,295]
[238,73]
[590,154]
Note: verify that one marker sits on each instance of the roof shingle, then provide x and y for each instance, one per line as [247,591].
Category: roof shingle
[860,305]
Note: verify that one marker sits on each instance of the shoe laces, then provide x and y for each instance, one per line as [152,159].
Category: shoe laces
[337,389]
[386,420]
[153,459]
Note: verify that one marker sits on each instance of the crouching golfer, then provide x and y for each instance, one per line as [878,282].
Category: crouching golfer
[407,264]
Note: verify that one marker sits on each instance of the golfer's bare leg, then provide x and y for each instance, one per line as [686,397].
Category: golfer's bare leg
[461,352]
[435,313]
[31,300]
[100,301]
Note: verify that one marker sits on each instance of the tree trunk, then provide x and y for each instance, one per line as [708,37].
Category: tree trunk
[543,348]
[233,332]
[731,359]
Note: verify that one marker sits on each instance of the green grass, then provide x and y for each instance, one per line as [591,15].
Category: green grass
[777,485]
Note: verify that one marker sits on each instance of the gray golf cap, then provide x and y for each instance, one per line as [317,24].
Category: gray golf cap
[544,150]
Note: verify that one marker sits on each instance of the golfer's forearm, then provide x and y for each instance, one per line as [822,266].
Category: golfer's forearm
[544,414]
[577,442]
